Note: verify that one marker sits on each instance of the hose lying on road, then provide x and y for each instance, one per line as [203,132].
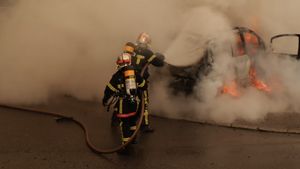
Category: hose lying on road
[87,137]
[118,148]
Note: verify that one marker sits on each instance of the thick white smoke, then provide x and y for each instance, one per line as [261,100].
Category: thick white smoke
[281,73]
[52,47]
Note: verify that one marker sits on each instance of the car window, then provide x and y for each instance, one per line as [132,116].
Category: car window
[285,45]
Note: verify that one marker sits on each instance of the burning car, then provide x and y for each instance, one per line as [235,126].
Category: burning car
[248,45]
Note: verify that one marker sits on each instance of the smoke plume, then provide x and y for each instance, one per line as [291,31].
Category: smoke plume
[55,47]
[252,105]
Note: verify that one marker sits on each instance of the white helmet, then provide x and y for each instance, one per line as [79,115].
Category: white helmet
[143,39]
[124,60]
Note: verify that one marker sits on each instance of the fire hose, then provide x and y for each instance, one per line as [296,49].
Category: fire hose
[139,122]
[120,147]
[87,137]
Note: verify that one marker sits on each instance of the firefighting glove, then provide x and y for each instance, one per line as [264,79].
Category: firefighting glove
[159,61]
[160,56]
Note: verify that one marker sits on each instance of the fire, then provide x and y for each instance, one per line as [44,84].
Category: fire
[232,88]
[240,51]
[252,43]
[260,85]
[247,45]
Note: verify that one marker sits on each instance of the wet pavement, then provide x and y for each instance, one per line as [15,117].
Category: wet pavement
[34,141]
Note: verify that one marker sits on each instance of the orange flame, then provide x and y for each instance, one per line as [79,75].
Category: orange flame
[231,89]
[252,43]
[260,85]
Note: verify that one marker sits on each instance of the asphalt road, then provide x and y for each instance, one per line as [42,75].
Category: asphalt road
[33,141]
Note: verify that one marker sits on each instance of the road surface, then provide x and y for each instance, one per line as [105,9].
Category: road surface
[33,141]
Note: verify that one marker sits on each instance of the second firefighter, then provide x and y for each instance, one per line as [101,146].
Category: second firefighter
[125,85]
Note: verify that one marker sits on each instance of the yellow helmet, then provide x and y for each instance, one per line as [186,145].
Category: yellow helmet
[129,47]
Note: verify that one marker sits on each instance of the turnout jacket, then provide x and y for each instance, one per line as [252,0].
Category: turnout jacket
[144,57]
[116,85]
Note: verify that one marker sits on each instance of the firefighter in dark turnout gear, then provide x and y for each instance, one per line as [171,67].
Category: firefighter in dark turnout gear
[143,56]
[126,84]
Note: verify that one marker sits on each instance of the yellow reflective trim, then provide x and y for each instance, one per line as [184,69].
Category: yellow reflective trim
[120,86]
[125,139]
[151,58]
[139,57]
[112,88]
[146,116]
[121,128]
[138,104]
[121,106]
[146,97]
[142,84]
[146,113]
[133,128]
[137,99]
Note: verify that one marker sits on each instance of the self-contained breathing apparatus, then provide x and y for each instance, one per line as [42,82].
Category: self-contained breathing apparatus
[130,92]
[127,88]
[130,83]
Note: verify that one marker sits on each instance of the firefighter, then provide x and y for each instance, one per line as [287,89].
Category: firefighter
[143,56]
[125,85]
